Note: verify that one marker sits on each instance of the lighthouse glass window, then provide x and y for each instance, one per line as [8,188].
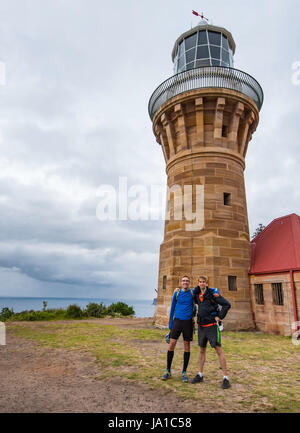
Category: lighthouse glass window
[203,48]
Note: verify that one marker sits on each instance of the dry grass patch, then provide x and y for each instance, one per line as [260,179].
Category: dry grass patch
[264,369]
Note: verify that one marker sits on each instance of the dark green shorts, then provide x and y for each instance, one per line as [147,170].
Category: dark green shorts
[209,333]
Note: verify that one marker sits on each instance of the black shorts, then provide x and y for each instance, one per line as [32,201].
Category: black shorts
[209,333]
[182,326]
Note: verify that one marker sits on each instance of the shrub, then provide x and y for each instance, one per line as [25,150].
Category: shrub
[31,315]
[74,311]
[6,314]
[96,310]
[120,307]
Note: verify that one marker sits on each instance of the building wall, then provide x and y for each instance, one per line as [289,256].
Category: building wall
[297,292]
[271,318]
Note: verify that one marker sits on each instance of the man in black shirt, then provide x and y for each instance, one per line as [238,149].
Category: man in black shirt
[209,314]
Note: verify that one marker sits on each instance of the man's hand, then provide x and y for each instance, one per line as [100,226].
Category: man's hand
[176,290]
[217,318]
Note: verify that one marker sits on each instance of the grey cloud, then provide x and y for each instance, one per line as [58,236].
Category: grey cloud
[73,116]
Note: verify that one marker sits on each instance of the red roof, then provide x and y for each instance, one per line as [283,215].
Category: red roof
[277,247]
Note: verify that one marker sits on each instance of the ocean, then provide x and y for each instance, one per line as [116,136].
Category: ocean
[142,308]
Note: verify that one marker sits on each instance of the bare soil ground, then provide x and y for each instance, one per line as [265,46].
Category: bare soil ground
[38,379]
[115,366]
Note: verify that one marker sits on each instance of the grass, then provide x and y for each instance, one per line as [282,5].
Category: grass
[264,369]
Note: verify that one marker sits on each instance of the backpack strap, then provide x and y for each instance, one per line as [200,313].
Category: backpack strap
[177,294]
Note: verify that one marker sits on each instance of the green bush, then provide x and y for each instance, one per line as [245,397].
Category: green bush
[121,308]
[30,315]
[74,312]
[6,314]
[96,310]
[33,315]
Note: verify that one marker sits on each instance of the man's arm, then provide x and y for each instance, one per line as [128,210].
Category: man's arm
[172,310]
[196,291]
[224,304]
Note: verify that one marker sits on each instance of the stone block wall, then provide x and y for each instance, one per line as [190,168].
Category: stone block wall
[204,136]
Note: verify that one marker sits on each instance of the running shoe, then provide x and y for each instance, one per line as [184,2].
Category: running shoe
[197,379]
[167,375]
[184,377]
[225,384]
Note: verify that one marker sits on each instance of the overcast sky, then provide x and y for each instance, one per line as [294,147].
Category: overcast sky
[73,116]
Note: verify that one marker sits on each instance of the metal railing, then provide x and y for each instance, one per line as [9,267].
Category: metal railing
[204,77]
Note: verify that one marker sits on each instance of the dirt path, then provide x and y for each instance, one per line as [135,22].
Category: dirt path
[37,379]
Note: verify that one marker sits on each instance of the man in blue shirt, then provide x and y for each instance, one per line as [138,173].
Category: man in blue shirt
[181,321]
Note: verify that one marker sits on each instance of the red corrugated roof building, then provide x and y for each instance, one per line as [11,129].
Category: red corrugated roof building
[275,275]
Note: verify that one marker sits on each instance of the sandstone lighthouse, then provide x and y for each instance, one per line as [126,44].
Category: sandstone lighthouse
[203,118]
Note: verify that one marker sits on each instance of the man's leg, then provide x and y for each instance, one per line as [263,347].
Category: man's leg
[187,338]
[201,359]
[170,354]
[222,360]
[199,376]
[186,357]
[202,343]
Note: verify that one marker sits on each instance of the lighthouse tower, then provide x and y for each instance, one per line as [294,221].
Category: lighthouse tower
[203,118]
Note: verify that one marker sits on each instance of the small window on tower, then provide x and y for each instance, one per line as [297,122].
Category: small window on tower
[215,52]
[202,39]
[214,38]
[164,282]
[232,283]
[191,41]
[202,52]
[224,42]
[190,55]
[224,131]
[227,199]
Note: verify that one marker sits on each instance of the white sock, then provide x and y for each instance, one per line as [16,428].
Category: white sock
[200,374]
[225,377]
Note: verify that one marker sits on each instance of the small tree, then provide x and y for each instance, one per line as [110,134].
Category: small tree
[96,310]
[74,311]
[5,314]
[44,305]
[121,308]
[259,229]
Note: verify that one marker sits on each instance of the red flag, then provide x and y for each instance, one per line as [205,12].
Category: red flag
[198,15]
